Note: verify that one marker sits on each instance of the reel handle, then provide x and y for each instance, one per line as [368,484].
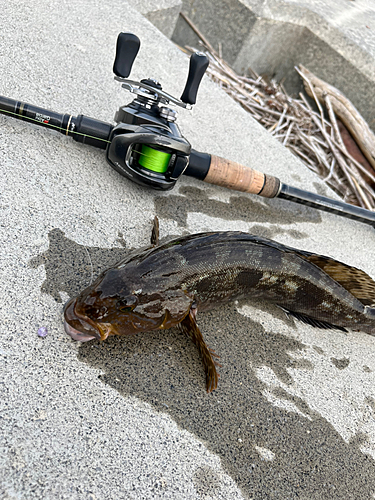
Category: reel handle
[197,67]
[126,51]
[232,175]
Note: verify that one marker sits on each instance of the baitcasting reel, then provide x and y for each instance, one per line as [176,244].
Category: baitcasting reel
[147,145]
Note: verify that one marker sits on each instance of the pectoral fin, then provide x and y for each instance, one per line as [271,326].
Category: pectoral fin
[312,321]
[189,326]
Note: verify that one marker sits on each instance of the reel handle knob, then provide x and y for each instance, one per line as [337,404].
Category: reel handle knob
[126,51]
[197,68]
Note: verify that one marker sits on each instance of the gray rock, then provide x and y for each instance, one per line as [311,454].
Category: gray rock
[163,14]
[334,40]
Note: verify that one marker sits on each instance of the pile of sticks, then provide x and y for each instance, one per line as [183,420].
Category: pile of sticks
[314,136]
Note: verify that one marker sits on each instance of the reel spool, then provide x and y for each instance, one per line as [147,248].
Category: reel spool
[150,155]
[153,159]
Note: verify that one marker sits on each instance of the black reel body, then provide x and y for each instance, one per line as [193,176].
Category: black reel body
[146,145]
[150,155]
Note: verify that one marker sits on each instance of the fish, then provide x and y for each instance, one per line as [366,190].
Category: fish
[163,286]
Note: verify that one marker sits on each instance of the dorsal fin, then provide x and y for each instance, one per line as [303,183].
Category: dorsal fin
[354,280]
[155,232]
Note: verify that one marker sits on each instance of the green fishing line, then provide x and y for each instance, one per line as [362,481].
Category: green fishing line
[154,160]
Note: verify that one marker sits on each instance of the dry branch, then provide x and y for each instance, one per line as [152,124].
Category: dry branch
[345,110]
[312,137]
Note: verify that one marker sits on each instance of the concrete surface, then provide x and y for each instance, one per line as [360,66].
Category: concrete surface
[162,13]
[293,416]
[333,39]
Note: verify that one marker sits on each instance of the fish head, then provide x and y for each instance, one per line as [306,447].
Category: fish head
[87,317]
[114,305]
[79,326]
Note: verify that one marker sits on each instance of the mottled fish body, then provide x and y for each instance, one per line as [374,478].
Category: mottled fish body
[165,286]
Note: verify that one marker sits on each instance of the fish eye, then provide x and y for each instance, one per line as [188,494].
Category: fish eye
[126,304]
[126,309]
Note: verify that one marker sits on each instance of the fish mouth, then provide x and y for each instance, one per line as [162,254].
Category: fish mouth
[76,334]
[78,327]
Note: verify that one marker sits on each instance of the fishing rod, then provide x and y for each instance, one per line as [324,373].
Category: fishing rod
[147,146]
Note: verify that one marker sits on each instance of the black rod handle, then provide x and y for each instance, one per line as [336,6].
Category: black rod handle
[34,114]
[81,128]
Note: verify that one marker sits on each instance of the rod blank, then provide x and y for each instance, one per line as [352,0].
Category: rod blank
[326,204]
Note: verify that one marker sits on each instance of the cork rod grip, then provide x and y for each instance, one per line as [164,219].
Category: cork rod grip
[235,176]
